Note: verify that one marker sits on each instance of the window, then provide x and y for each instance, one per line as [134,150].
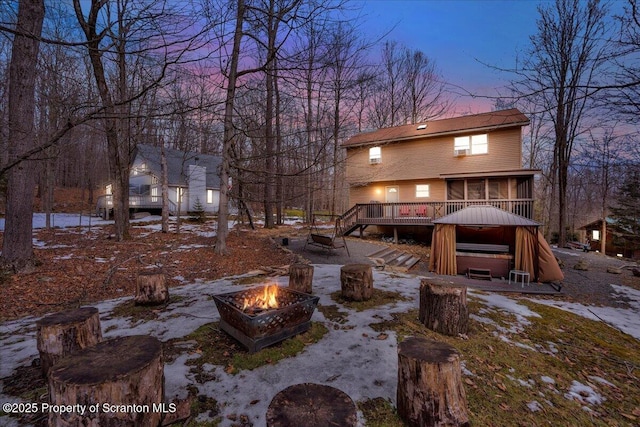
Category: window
[375,155]
[498,188]
[479,144]
[475,189]
[455,190]
[209,196]
[475,144]
[422,190]
[154,194]
[595,234]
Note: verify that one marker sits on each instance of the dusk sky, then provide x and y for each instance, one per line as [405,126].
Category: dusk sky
[460,35]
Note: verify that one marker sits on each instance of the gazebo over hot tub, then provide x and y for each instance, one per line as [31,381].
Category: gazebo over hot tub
[494,240]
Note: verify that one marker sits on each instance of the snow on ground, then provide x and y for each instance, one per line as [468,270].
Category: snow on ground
[627,320]
[351,357]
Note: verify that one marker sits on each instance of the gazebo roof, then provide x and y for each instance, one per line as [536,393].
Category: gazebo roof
[485,215]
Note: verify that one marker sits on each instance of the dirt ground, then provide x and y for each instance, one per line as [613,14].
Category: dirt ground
[78,267]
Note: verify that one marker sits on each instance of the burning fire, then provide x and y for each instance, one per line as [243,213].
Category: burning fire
[263,301]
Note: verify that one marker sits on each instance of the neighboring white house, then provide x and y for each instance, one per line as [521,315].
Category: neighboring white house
[193,176]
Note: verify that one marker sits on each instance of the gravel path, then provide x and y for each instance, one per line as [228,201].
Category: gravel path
[591,286]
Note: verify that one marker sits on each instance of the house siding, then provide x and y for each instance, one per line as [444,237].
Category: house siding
[406,191]
[423,161]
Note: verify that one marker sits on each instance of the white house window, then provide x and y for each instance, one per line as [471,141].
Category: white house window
[209,196]
[474,144]
[108,189]
[140,169]
[422,190]
[479,144]
[375,155]
[595,234]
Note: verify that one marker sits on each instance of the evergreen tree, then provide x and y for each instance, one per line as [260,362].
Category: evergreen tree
[627,212]
[198,213]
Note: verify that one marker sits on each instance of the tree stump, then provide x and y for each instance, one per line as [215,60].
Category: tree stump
[151,289]
[301,277]
[443,308]
[430,390]
[126,374]
[311,405]
[66,332]
[356,281]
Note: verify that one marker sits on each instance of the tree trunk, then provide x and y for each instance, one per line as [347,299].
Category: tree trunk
[165,189]
[443,308]
[117,149]
[64,333]
[17,248]
[151,289]
[228,137]
[311,405]
[356,282]
[301,277]
[430,390]
[121,371]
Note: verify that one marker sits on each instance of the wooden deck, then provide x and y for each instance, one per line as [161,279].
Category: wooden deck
[363,215]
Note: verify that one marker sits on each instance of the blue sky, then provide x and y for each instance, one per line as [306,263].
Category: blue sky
[460,35]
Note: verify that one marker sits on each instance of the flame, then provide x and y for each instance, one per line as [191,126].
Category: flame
[265,300]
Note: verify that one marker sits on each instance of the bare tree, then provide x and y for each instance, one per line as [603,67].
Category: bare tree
[116,37]
[562,66]
[425,93]
[17,249]
[624,95]
[228,138]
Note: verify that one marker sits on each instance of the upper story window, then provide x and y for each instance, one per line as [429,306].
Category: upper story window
[473,144]
[375,155]
[140,168]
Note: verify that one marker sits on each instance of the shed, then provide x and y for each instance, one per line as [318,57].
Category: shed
[486,230]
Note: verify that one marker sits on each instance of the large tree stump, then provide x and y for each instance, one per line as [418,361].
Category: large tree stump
[430,390]
[151,289]
[66,332]
[301,277]
[126,374]
[443,308]
[356,281]
[311,405]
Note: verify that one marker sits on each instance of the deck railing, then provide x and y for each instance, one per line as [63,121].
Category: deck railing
[421,213]
[105,203]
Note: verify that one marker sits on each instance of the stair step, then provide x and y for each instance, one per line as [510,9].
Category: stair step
[393,259]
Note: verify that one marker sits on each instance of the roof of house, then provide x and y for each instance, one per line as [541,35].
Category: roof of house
[178,164]
[457,125]
[485,215]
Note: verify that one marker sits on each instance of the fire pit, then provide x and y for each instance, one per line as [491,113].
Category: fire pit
[262,316]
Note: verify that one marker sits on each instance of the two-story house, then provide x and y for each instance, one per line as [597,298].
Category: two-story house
[193,182]
[413,174]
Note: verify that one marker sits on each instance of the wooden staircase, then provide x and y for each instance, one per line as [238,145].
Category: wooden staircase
[390,259]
